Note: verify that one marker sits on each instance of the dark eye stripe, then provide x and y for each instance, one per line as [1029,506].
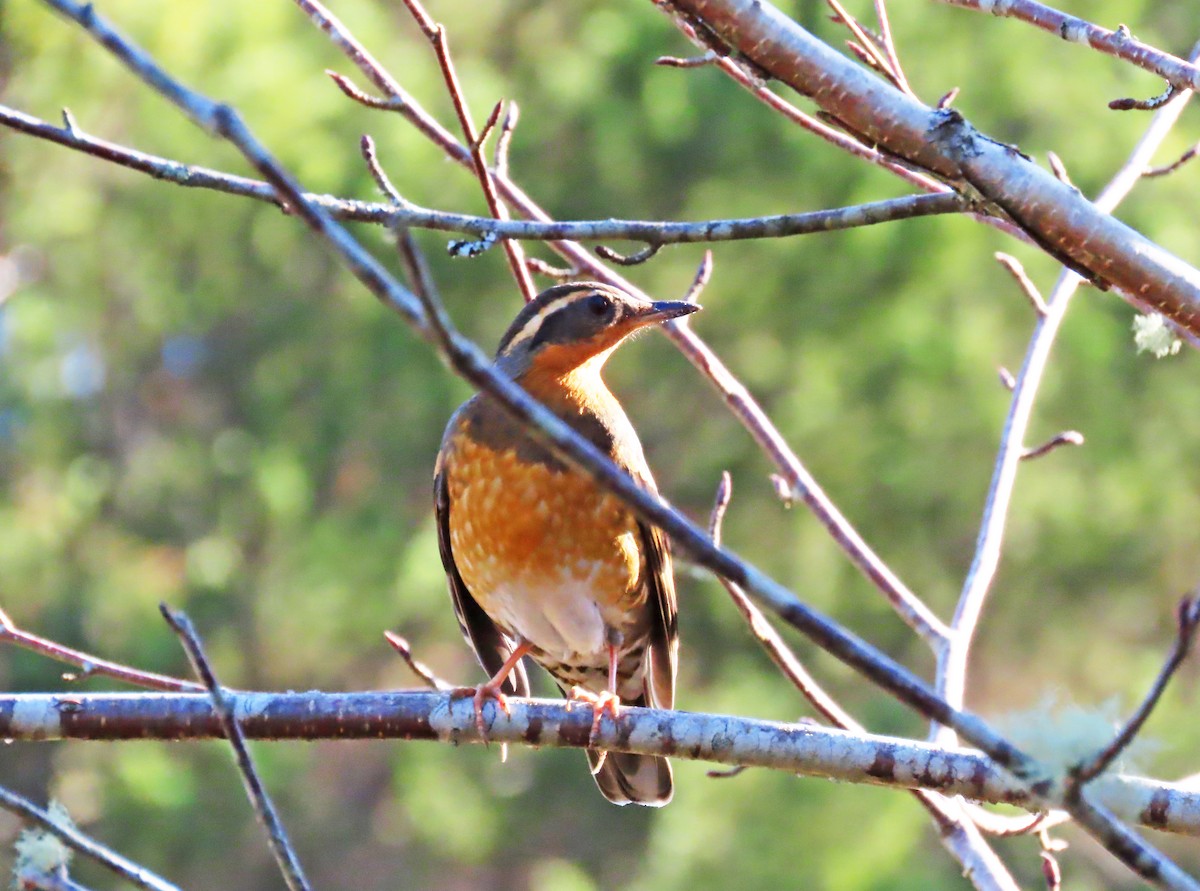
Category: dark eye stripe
[537,313]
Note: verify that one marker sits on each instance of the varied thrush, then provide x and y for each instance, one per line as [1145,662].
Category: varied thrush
[541,561]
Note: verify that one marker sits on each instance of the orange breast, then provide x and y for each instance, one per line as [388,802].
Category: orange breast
[547,554]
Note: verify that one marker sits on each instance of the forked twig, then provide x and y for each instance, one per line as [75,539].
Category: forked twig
[436,35]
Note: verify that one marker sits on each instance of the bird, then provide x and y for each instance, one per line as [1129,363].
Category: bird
[541,561]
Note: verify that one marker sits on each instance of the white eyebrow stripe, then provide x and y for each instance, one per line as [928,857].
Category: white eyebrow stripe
[529,328]
[533,324]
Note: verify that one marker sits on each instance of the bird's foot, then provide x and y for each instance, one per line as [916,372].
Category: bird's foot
[480,695]
[600,703]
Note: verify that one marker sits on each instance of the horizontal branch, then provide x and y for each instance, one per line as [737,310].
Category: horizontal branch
[420,715]
[411,215]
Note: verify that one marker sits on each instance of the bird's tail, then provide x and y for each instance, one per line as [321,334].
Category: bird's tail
[636,779]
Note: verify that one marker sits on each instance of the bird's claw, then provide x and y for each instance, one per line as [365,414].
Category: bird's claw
[479,695]
[600,703]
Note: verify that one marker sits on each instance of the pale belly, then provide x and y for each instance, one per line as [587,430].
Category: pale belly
[546,555]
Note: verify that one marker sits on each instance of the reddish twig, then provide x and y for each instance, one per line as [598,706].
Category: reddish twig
[1028,288]
[1066,438]
[436,35]
[90,665]
[416,666]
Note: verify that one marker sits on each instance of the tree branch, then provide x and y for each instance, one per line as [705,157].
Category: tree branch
[1060,220]
[1178,72]
[425,715]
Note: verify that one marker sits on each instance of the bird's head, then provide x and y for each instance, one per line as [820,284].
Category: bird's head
[580,323]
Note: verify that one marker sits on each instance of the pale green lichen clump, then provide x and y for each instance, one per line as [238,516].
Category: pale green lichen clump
[1152,334]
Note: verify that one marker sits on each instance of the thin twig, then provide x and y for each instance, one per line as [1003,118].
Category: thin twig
[1119,43]
[1174,165]
[1151,104]
[1066,438]
[871,54]
[1059,169]
[382,181]
[628,259]
[131,872]
[88,664]
[778,651]
[504,138]
[399,211]
[558,273]
[436,35]
[1014,268]
[1188,618]
[888,43]
[416,666]
[706,58]
[700,281]
[264,809]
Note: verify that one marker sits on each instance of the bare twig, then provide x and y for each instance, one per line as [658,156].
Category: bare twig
[1067,437]
[402,212]
[707,58]
[131,872]
[416,666]
[778,651]
[1059,169]
[1188,618]
[1119,43]
[264,809]
[1174,165]
[88,664]
[558,273]
[1028,288]
[382,181]
[866,46]
[700,282]
[1151,104]
[504,140]
[628,259]
[436,35]
[888,44]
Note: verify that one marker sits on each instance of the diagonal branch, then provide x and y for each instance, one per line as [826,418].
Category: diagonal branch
[264,808]
[131,872]
[1179,73]
[940,141]
[737,398]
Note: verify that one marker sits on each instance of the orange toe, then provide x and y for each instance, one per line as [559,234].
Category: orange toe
[600,703]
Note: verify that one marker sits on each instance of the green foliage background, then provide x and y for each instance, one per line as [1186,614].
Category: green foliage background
[198,406]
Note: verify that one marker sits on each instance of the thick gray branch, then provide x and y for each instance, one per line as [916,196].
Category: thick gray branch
[420,715]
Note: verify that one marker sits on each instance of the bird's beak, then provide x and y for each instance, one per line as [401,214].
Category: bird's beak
[664,310]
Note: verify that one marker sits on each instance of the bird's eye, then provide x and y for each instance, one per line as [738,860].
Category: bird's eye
[599,305]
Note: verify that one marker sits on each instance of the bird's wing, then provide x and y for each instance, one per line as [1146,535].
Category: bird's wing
[491,647]
[663,647]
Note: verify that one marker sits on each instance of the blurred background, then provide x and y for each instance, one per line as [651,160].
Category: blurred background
[198,406]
